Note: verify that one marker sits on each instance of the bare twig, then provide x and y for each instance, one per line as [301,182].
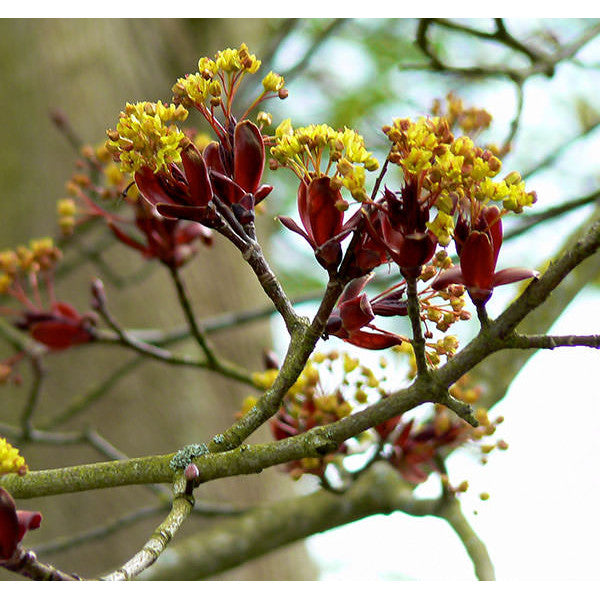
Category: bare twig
[124,338]
[451,512]
[33,396]
[549,342]
[152,549]
[195,328]
[25,563]
[100,532]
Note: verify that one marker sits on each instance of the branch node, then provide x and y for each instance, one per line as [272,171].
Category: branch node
[187,455]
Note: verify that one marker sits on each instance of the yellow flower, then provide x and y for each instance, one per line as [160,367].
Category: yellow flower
[417,160]
[9,261]
[10,459]
[234,60]
[5,282]
[273,82]
[66,207]
[313,150]
[354,182]
[350,363]
[442,227]
[284,129]
[143,138]
[248,404]
[207,67]
[192,89]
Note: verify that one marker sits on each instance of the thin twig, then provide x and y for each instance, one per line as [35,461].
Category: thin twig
[100,532]
[549,342]
[82,402]
[25,563]
[152,549]
[126,339]
[530,221]
[33,396]
[540,64]
[451,512]
[195,328]
[414,314]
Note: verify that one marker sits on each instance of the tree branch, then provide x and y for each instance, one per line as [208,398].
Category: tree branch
[451,512]
[152,549]
[268,527]
[549,342]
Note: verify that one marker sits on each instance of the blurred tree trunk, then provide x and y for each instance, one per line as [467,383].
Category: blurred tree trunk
[89,69]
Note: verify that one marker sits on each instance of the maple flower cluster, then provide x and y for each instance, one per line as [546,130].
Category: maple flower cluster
[10,459]
[449,192]
[181,186]
[181,180]
[24,273]
[312,401]
[99,189]
[318,151]
[143,137]
[414,447]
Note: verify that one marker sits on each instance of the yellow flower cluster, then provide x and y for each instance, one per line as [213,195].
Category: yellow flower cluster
[40,255]
[10,459]
[233,60]
[359,382]
[451,170]
[305,150]
[442,227]
[273,82]
[466,391]
[143,138]
[192,89]
[416,144]
[66,210]
[197,88]
[510,191]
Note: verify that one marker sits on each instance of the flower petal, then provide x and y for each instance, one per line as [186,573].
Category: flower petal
[478,262]
[355,287]
[66,310]
[28,520]
[513,274]
[200,214]
[148,183]
[226,189]
[212,157]
[196,174]
[356,313]
[262,192]
[323,214]
[58,335]
[9,525]
[491,214]
[302,200]
[293,226]
[391,305]
[372,340]
[249,156]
